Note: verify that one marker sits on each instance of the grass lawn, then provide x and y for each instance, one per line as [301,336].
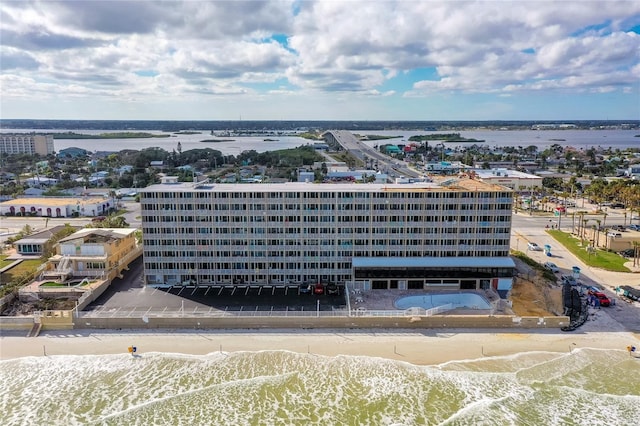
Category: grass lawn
[26,266]
[73,284]
[53,284]
[4,262]
[606,260]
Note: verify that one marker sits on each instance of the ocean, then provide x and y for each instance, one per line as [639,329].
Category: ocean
[584,387]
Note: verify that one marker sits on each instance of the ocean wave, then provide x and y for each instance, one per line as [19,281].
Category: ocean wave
[280,387]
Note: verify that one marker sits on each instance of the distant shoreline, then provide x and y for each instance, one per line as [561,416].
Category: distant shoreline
[115,135]
[304,125]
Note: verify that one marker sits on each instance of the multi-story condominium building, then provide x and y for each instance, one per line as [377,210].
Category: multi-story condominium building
[26,143]
[452,234]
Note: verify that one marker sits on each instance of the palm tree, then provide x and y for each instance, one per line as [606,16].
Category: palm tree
[544,201]
[597,238]
[584,225]
[581,215]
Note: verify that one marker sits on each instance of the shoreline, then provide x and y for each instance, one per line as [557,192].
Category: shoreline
[424,347]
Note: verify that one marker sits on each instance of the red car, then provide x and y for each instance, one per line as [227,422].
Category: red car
[602,298]
[318,289]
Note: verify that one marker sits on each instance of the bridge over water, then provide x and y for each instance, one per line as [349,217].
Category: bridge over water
[364,152]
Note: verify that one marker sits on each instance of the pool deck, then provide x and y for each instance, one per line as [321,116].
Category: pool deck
[383,300]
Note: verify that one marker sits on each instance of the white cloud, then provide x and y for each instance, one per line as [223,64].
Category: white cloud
[358,49]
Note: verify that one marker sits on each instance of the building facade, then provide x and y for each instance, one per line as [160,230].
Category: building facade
[514,179]
[93,253]
[453,234]
[36,244]
[25,143]
[57,206]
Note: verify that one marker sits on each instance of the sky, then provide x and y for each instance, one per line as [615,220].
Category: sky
[320,60]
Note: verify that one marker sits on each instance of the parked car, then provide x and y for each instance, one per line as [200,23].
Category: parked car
[568,279]
[306,289]
[333,289]
[634,227]
[318,289]
[630,293]
[533,246]
[627,252]
[551,266]
[602,298]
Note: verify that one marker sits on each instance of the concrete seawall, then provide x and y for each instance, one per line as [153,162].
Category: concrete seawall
[440,321]
[65,320]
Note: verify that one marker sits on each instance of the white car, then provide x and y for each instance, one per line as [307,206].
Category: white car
[551,266]
[533,247]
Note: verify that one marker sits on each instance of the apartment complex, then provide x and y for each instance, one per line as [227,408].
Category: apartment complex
[26,143]
[452,234]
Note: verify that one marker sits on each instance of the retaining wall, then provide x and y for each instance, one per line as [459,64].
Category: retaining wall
[16,323]
[439,321]
[93,294]
[65,320]
[56,320]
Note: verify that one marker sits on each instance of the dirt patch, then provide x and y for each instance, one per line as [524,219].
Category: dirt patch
[532,295]
[27,308]
[535,298]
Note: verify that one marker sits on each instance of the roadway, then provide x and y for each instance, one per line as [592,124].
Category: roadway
[364,152]
[528,228]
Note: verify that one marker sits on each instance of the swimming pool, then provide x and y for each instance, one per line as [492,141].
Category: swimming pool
[458,300]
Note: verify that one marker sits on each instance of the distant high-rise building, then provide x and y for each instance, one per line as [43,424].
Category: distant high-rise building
[25,143]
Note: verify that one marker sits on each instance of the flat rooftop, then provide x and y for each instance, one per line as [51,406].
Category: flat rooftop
[52,201]
[109,233]
[446,184]
[502,173]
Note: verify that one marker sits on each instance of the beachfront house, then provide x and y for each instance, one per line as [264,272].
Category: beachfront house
[93,253]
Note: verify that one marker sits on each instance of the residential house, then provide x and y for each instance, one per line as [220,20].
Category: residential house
[93,253]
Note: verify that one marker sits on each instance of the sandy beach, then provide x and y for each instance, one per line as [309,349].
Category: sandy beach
[426,347]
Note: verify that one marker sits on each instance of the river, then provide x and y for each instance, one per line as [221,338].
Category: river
[579,139]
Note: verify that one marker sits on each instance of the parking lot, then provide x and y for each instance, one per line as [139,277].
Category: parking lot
[259,298]
[129,293]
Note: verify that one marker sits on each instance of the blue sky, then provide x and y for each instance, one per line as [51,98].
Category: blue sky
[320,60]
